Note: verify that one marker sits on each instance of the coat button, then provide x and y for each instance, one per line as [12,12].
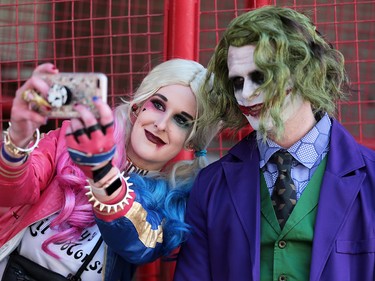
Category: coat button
[282,278]
[282,244]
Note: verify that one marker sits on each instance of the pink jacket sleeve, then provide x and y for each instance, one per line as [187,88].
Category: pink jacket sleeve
[24,184]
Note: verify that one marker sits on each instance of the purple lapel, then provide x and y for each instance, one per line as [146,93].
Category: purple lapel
[243,180]
[338,191]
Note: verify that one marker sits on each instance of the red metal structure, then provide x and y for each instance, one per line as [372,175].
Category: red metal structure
[125,39]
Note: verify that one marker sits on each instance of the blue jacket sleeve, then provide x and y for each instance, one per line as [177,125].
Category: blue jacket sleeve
[138,235]
[124,239]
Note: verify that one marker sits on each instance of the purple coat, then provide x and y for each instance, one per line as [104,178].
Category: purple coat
[224,212]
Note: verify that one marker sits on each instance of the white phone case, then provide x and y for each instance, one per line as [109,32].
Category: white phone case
[68,88]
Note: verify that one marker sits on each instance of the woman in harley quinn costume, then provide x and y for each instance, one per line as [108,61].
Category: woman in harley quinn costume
[112,174]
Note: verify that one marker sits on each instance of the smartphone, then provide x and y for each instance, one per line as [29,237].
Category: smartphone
[68,89]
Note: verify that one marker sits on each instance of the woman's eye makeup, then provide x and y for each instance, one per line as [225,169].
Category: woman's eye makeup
[158,104]
[183,121]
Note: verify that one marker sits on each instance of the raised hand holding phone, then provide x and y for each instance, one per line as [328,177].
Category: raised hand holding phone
[48,94]
[24,119]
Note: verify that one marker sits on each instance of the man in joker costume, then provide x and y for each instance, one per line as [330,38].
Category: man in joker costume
[273,68]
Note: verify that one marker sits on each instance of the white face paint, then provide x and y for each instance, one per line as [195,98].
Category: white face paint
[57,95]
[246,79]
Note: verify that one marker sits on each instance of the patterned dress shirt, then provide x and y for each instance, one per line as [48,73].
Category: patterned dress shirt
[307,154]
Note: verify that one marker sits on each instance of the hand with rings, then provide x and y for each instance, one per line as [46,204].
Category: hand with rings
[90,141]
[26,115]
[36,101]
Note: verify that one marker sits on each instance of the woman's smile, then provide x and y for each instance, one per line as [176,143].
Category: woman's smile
[154,139]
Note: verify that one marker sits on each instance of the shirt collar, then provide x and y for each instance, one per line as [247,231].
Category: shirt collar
[307,150]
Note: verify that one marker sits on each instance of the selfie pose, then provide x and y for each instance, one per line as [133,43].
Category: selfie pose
[295,199]
[116,166]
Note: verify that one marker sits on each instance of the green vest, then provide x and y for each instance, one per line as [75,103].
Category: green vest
[286,254]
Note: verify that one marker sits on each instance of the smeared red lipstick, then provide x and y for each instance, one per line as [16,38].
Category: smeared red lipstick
[245,109]
[254,110]
[154,139]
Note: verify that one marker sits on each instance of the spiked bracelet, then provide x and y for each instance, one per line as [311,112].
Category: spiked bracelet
[110,208]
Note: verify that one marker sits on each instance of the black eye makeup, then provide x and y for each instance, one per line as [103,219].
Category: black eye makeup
[237,83]
[158,104]
[183,119]
[257,77]
[159,101]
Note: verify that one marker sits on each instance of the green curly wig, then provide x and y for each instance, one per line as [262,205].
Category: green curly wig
[287,48]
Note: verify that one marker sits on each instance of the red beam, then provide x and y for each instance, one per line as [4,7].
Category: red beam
[252,4]
[181,29]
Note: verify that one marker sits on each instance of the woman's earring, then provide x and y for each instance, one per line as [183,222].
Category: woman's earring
[134,112]
[189,147]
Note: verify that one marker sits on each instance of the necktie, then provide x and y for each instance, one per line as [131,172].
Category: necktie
[284,196]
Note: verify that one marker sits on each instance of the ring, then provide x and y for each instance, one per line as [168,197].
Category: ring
[32,96]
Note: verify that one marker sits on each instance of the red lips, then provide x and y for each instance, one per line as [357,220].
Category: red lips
[254,110]
[154,139]
[245,110]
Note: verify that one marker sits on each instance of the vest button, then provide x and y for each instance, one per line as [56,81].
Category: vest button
[282,244]
[282,278]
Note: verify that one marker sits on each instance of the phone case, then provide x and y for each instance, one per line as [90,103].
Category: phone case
[67,89]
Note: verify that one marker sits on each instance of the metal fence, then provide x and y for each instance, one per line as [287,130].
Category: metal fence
[125,39]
